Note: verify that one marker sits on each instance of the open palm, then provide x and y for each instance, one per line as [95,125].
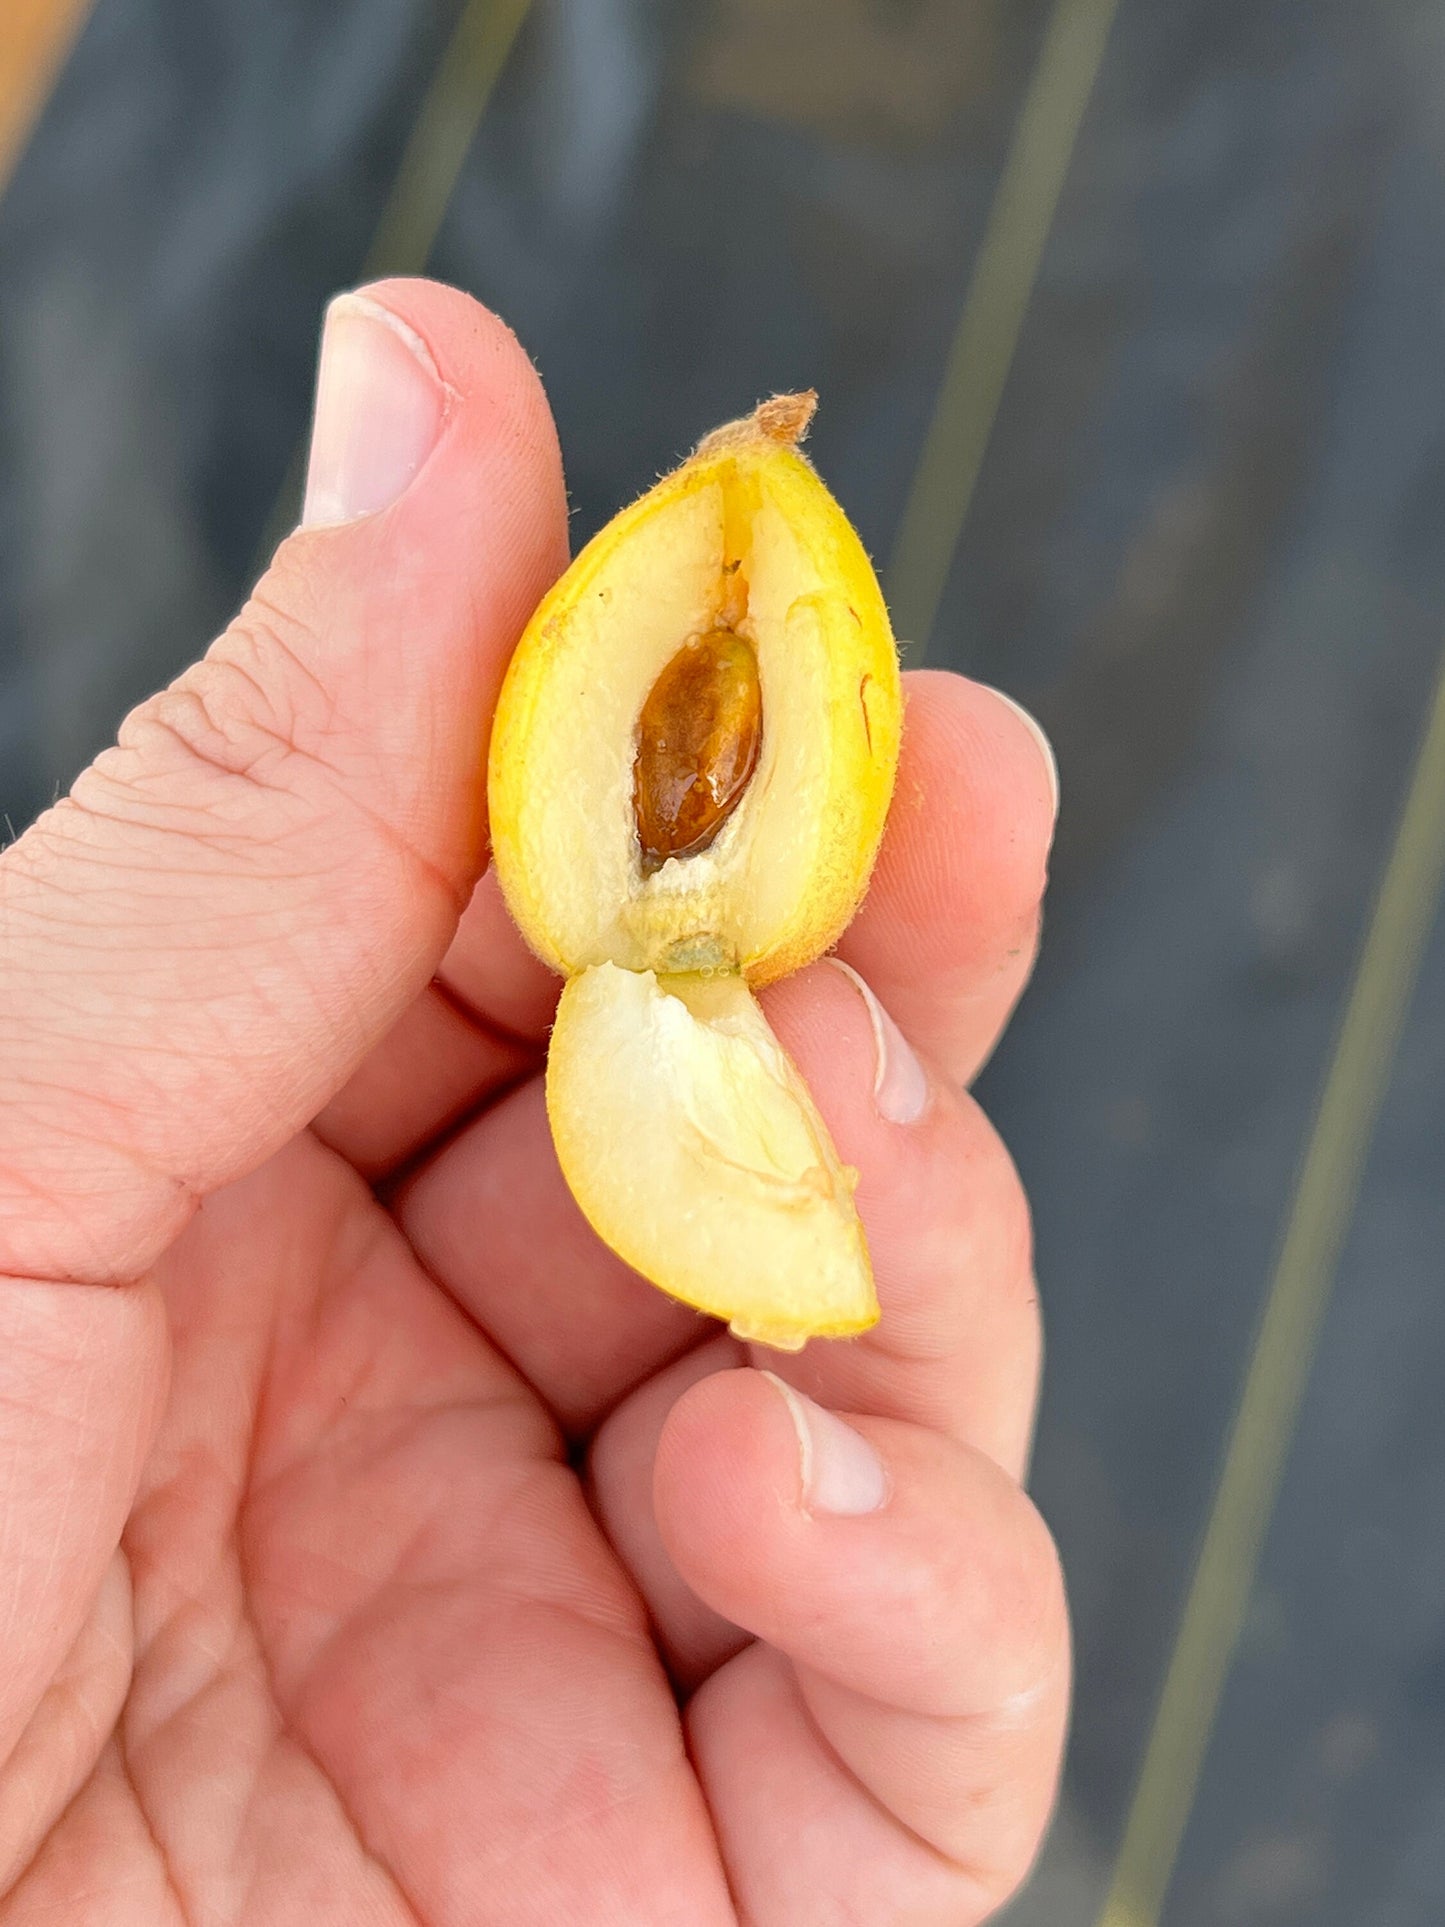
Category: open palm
[373,1545]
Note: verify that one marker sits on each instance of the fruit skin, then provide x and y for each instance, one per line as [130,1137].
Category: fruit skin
[856,697]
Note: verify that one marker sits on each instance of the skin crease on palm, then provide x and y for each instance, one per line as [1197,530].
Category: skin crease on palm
[374,1547]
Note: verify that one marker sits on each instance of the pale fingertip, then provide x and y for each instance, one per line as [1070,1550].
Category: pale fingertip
[900,1083]
[380,404]
[1036,730]
[840,1475]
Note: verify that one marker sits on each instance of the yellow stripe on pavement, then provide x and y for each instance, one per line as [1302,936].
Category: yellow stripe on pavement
[35,37]
[435,153]
[1254,1460]
[982,351]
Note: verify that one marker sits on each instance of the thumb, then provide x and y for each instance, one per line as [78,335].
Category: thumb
[202,940]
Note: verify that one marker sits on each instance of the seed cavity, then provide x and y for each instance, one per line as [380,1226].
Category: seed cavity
[697,746]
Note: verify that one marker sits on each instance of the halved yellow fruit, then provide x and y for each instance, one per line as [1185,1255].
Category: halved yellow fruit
[691,765]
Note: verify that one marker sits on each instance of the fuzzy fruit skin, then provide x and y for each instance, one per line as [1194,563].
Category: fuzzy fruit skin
[860,703]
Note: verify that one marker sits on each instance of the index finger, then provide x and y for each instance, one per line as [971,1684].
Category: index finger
[948,931]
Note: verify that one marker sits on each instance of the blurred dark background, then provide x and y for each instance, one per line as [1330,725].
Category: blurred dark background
[1204,545]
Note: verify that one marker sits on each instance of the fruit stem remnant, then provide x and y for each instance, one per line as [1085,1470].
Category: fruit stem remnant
[783,419]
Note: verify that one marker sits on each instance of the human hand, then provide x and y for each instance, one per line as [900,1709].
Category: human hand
[307,1613]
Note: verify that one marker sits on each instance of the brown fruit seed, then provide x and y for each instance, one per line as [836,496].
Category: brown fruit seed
[697,746]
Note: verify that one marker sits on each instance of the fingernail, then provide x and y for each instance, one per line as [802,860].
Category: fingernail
[840,1473]
[900,1083]
[380,403]
[1046,748]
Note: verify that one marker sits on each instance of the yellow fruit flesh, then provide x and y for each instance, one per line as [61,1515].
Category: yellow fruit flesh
[691,765]
[786,870]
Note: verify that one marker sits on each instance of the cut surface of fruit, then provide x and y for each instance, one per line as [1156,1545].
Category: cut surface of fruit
[691,765]
[745,538]
[694,1149]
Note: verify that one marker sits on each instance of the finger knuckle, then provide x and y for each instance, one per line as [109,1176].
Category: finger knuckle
[252,708]
[1029,1616]
[248,724]
[1000,1218]
[1014,1217]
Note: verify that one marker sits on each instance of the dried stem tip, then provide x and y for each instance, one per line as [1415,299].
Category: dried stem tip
[782,418]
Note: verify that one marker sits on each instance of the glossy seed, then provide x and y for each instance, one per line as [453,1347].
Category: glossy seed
[697,746]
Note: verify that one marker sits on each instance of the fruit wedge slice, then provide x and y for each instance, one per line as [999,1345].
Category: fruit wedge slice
[695,1151]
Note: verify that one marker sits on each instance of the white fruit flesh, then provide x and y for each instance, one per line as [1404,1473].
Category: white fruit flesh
[693,1147]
